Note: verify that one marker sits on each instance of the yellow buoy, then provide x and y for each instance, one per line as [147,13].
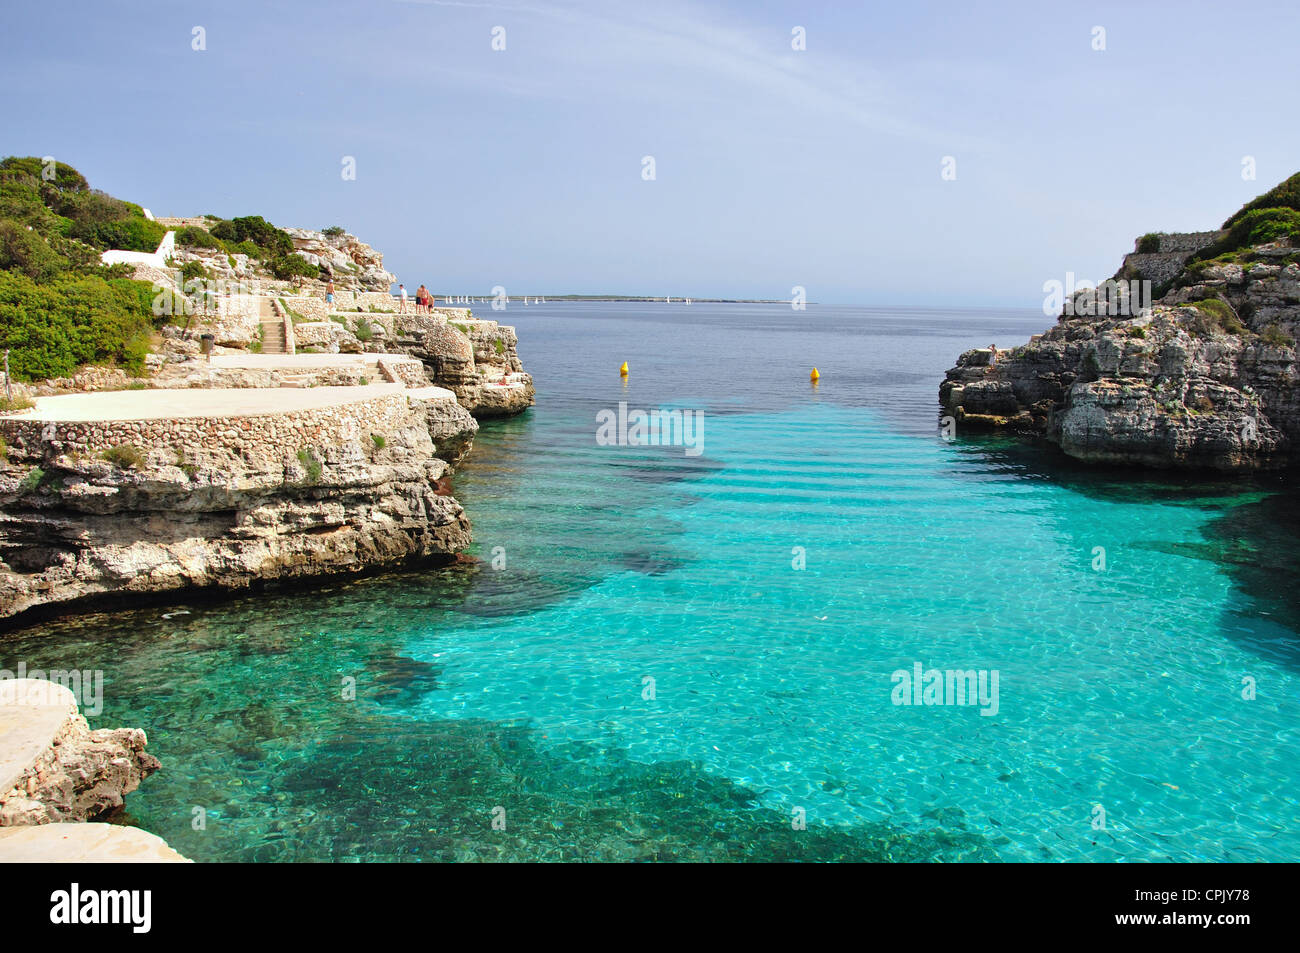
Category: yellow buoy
[814,376]
[623,370]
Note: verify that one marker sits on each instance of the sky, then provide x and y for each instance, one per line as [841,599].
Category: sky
[773,167]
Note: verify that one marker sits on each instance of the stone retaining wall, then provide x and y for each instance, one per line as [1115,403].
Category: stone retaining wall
[242,436]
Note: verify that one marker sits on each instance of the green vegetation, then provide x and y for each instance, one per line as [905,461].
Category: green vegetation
[379,441]
[1284,195]
[1214,315]
[59,307]
[1148,243]
[1275,336]
[126,456]
[333,231]
[194,269]
[33,479]
[4,449]
[56,326]
[8,405]
[363,330]
[309,463]
[500,345]
[462,328]
[1137,332]
[255,237]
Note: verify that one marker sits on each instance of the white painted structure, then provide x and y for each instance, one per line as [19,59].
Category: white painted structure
[158,259]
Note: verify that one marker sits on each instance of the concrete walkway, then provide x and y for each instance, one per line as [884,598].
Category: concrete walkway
[84,844]
[32,711]
[197,402]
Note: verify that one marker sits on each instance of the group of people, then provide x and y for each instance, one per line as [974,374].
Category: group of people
[423,299]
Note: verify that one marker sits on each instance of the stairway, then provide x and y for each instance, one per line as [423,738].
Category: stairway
[272,321]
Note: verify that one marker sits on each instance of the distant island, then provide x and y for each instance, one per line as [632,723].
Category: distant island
[671,299]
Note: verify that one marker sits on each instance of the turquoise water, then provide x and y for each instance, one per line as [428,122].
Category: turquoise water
[520,692]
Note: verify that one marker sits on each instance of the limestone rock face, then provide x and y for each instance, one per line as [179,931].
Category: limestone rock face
[351,262]
[67,771]
[477,360]
[217,503]
[1182,384]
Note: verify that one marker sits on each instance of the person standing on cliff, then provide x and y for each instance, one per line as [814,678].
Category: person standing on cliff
[329,292]
[401,293]
[993,355]
[421,299]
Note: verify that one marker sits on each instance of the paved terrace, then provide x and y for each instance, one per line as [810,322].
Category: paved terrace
[125,405]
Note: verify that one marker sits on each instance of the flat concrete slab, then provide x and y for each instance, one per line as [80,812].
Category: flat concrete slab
[196,402]
[84,844]
[32,711]
[297,361]
[430,393]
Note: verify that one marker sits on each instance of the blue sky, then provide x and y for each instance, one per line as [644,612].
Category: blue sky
[774,167]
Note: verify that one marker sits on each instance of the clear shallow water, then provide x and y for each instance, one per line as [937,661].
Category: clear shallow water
[522,688]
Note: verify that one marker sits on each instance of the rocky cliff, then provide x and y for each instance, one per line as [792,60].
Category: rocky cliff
[117,507]
[1186,358]
[53,767]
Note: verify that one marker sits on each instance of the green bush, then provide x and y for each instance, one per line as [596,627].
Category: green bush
[1255,228]
[194,237]
[32,480]
[288,267]
[54,328]
[1283,195]
[333,231]
[194,269]
[125,456]
[1148,243]
[1220,318]
[1274,335]
[379,441]
[272,242]
[310,464]
[364,331]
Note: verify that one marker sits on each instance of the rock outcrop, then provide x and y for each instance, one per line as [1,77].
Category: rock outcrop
[53,767]
[1206,375]
[104,508]
[477,360]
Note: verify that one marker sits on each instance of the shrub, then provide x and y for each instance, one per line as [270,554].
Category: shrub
[1148,243]
[194,237]
[1137,332]
[291,266]
[125,456]
[310,464]
[379,441]
[55,327]
[1220,318]
[194,269]
[500,345]
[364,331]
[32,480]
[272,242]
[333,231]
[4,449]
[1275,336]
[1284,195]
[1255,228]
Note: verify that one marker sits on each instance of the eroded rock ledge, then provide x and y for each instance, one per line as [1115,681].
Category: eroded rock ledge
[1206,378]
[339,481]
[53,768]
